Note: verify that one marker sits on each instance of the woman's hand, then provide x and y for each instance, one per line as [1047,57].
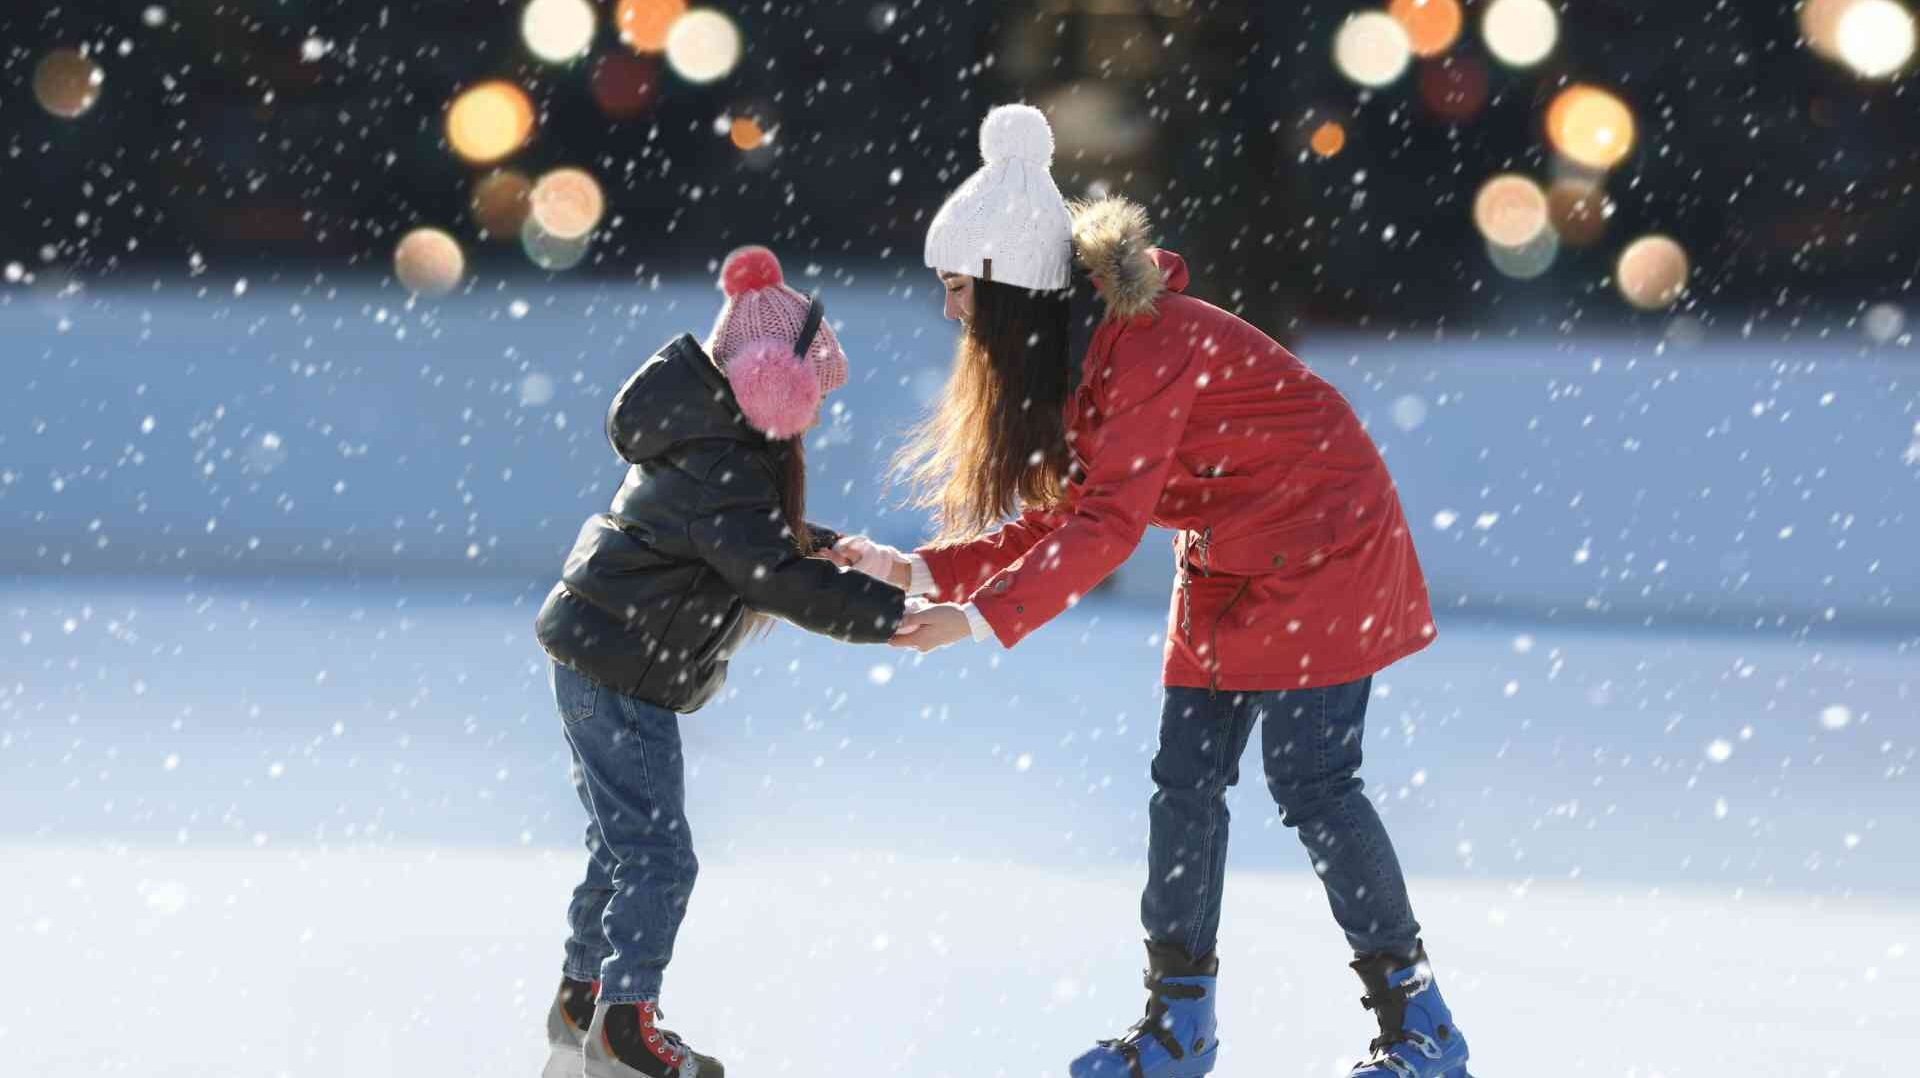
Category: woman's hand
[877,560]
[931,628]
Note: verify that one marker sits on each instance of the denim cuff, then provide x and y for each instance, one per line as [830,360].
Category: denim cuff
[583,964]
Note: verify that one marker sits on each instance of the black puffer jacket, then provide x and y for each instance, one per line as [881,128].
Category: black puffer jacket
[654,598]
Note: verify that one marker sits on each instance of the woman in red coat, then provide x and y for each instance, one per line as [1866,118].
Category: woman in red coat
[1296,578]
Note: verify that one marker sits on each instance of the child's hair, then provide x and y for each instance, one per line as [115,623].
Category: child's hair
[793,492]
[792,456]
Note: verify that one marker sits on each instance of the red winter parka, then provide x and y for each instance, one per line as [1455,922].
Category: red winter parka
[1294,564]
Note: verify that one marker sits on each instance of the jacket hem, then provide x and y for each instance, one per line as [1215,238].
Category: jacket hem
[1270,682]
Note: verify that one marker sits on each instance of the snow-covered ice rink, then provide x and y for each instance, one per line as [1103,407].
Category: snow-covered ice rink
[307,828]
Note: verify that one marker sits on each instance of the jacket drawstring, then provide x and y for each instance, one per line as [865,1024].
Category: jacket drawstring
[1204,541]
[1202,546]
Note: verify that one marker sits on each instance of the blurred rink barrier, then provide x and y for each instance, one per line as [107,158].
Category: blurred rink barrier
[1696,474]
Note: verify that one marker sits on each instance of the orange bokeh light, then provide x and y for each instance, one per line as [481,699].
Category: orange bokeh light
[1590,127]
[1328,139]
[1652,272]
[746,133]
[501,203]
[1432,25]
[490,122]
[644,23]
[1578,211]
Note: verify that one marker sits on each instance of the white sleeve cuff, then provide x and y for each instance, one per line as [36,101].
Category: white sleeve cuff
[921,577]
[982,632]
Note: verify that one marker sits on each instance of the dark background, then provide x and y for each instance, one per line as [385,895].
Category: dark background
[1789,181]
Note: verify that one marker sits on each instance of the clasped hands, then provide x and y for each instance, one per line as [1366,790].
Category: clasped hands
[927,626]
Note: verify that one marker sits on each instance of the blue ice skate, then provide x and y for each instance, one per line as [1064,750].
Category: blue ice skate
[1417,1036]
[1176,1038]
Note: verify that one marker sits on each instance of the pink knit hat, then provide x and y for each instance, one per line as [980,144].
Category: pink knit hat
[754,340]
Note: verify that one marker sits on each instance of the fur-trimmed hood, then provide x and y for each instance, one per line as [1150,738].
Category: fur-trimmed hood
[1113,243]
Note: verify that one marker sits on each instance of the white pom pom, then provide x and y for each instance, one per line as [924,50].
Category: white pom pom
[1016,132]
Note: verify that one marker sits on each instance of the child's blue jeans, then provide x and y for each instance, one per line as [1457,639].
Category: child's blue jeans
[628,769]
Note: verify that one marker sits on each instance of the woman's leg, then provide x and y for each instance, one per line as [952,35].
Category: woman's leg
[1202,735]
[1311,743]
[632,776]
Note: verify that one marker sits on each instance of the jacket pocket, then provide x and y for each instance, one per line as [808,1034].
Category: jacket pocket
[1284,550]
[669,645]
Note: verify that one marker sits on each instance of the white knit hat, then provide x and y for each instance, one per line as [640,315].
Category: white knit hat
[1007,223]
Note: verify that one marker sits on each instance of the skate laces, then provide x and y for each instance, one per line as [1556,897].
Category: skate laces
[665,1044]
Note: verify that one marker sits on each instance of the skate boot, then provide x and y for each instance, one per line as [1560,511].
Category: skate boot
[625,1041]
[1175,1039]
[1417,1036]
[567,1022]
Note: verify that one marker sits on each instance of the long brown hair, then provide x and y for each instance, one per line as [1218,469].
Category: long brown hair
[997,438]
[793,491]
[790,459]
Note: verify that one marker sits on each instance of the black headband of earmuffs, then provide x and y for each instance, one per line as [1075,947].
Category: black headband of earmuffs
[810,327]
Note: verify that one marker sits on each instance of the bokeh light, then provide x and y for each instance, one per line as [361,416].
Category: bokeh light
[1527,261]
[625,86]
[558,31]
[1454,89]
[429,262]
[1432,25]
[745,133]
[67,83]
[1520,33]
[568,203]
[1590,126]
[501,202]
[1510,210]
[551,252]
[644,24]
[1328,139]
[703,46]
[1876,38]
[1372,48]
[1820,25]
[1578,211]
[1883,322]
[490,122]
[1652,272]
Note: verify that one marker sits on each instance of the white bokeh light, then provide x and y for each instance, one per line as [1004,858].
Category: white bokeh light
[1520,33]
[1372,49]
[1876,38]
[558,31]
[703,46]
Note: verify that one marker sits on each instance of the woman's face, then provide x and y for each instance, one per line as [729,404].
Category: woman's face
[959,288]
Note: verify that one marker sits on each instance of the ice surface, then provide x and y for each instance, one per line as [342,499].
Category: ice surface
[376,965]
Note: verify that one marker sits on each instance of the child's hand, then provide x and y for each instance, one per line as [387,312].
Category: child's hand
[877,560]
[932,627]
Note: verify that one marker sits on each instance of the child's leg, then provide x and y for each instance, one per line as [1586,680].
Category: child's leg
[1202,735]
[587,944]
[632,779]
[1311,743]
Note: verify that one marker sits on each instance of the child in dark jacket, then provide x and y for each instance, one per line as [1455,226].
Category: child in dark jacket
[706,537]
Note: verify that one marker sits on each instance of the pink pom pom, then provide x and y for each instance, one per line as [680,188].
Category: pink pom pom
[748,269]
[777,391]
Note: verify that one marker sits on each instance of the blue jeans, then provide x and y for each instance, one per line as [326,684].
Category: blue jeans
[629,772]
[1310,743]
